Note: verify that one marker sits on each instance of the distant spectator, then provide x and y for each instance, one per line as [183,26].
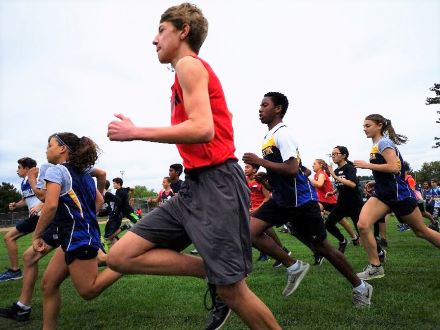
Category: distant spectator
[435,199]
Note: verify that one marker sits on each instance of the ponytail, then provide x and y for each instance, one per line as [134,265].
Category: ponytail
[324,166]
[344,151]
[387,128]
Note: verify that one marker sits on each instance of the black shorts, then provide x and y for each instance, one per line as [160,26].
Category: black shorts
[211,211]
[328,207]
[27,225]
[84,252]
[430,208]
[113,224]
[305,220]
[421,205]
[401,208]
[340,212]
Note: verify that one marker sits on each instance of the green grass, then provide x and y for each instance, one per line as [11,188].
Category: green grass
[406,298]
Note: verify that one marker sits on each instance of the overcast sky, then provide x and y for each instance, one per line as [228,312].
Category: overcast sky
[71,65]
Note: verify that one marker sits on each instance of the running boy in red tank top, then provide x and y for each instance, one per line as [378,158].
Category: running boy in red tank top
[212,205]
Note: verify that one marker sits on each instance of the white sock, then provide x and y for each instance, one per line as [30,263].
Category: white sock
[360,287]
[25,307]
[293,267]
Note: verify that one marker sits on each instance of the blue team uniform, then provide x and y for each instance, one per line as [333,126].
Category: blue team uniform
[76,212]
[389,186]
[294,199]
[288,191]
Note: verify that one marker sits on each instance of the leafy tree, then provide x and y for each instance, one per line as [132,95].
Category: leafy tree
[365,178]
[143,192]
[435,100]
[428,171]
[8,194]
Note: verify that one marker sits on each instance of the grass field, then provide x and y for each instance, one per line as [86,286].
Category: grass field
[408,297]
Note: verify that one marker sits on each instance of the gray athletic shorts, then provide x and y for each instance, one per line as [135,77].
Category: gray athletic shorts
[211,210]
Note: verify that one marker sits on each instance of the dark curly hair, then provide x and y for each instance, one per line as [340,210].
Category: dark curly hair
[83,152]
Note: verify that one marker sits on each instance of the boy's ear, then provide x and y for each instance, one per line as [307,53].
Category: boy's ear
[184,32]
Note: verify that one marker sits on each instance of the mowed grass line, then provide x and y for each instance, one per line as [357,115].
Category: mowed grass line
[406,298]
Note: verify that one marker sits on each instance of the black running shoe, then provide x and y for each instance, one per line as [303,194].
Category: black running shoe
[126,226]
[319,259]
[16,313]
[434,226]
[382,256]
[263,257]
[355,241]
[383,242]
[219,311]
[343,245]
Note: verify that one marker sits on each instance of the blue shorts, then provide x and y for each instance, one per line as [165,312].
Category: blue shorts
[51,236]
[84,252]
[27,225]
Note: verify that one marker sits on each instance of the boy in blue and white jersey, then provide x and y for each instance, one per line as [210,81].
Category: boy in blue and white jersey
[293,200]
[25,226]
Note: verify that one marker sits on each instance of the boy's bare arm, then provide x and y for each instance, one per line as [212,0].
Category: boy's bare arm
[198,128]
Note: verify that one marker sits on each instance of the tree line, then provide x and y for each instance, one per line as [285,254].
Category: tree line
[9,194]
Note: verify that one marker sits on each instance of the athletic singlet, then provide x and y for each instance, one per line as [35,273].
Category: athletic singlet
[221,147]
[76,210]
[28,194]
[410,181]
[288,191]
[165,196]
[436,196]
[325,188]
[389,186]
[257,196]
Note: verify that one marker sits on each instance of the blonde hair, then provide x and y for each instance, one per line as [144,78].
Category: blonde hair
[323,165]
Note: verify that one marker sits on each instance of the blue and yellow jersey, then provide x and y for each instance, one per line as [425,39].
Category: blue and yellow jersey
[76,213]
[389,186]
[288,191]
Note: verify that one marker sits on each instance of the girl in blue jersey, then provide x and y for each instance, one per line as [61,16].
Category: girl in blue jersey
[71,203]
[392,193]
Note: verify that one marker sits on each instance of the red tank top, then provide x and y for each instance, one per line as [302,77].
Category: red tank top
[221,147]
[326,187]
[257,196]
